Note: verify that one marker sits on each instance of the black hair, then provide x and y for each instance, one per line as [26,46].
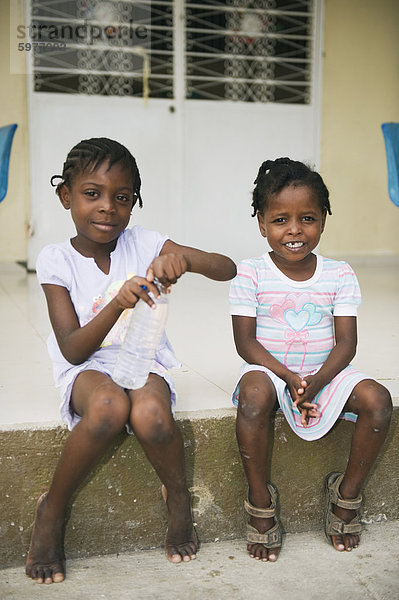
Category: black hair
[274,175]
[90,154]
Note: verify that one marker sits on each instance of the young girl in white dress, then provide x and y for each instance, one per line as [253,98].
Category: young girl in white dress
[91,282]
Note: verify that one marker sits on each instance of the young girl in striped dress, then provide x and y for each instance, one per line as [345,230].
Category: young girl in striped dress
[294,323]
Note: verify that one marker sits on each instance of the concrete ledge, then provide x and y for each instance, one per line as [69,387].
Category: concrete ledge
[119,507]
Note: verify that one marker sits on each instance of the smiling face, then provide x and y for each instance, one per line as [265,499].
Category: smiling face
[100,203]
[292,222]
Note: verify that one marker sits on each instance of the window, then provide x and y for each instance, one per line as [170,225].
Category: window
[249,50]
[237,50]
[103,47]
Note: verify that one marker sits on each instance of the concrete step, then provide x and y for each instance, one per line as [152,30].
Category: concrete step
[119,507]
[307,569]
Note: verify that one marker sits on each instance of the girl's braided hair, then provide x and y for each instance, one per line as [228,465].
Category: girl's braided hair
[90,154]
[274,175]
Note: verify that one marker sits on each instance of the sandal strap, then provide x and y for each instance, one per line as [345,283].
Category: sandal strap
[336,526]
[335,496]
[263,513]
[270,539]
[273,537]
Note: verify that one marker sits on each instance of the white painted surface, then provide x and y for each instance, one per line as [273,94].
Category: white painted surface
[198,159]
[205,201]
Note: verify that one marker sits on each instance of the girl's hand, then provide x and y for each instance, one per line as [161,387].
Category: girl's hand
[311,386]
[296,386]
[300,398]
[167,268]
[132,290]
[307,413]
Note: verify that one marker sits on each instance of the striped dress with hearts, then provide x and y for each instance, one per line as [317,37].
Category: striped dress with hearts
[295,323]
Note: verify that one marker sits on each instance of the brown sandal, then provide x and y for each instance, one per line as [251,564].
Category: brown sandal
[333,525]
[273,537]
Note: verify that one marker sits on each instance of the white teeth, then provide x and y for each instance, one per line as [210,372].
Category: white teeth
[294,244]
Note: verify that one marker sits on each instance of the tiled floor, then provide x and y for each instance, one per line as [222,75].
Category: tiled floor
[199,328]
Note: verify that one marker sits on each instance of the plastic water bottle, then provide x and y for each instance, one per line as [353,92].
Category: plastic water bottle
[141,342]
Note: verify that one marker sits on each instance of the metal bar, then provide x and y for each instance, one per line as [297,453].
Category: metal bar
[243,9]
[245,34]
[73,22]
[276,82]
[127,74]
[273,59]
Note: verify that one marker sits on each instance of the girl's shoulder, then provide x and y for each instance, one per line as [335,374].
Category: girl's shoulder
[339,267]
[55,252]
[260,266]
[256,263]
[142,241]
[52,264]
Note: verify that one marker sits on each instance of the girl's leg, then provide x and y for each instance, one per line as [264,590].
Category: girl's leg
[152,421]
[373,405]
[257,399]
[104,408]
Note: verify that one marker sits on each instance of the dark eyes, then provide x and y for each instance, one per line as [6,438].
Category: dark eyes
[281,220]
[94,194]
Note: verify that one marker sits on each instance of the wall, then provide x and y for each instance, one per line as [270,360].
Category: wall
[104,519]
[14,210]
[360,91]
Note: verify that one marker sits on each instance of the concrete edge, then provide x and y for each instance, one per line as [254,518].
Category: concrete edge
[216,413]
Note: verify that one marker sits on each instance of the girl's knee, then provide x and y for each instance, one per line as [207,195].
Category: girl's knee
[374,400]
[152,422]
[108,411]
[257,397]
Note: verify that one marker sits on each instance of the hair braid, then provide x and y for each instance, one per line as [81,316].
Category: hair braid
[274,175]
[90,154]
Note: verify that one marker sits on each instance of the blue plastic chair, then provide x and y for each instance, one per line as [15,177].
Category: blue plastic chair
[391,137]
[6,137]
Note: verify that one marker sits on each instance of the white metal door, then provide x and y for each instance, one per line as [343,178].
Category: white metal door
[200,142]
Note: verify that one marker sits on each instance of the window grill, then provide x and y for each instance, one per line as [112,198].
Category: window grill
[237,50]
[249,50]
[103,47]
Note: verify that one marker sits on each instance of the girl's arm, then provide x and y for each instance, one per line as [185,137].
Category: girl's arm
[174,260]
[252,351]
[78,343]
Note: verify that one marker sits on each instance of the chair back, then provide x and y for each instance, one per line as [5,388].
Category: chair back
[391,138]
[6,137]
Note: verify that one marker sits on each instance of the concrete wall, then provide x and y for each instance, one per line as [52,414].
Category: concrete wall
[119,507]
[360,91]
[15,208]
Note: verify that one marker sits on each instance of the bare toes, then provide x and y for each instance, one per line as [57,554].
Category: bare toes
[345,543]
[338,543]
[260,552]
[173,555]
[273,555]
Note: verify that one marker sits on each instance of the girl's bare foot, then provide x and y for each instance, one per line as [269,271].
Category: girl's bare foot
[45,562]
[181,541]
